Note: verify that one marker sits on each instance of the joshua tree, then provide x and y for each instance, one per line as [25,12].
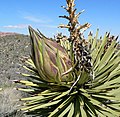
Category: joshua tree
[73,77]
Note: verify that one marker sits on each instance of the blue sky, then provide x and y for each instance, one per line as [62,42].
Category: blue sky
[16,15]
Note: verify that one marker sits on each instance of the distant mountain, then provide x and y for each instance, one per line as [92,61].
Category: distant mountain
[7,33]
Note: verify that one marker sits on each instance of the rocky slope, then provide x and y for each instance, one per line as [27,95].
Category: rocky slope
[12,48]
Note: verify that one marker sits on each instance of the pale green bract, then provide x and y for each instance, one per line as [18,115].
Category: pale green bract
[49,58]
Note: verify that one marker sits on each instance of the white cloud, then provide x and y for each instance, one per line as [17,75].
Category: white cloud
[20,26]
[34,19]
[48,26]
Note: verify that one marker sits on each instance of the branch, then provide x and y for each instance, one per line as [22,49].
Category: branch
[85,26]
[77,15]
[64,26]
[66,17]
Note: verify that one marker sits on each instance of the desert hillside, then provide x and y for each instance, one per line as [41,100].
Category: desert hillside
[12,48]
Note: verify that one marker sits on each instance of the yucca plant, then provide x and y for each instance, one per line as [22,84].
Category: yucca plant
[74,77]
